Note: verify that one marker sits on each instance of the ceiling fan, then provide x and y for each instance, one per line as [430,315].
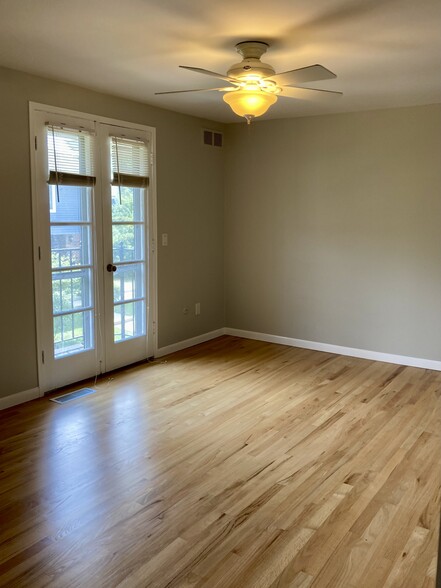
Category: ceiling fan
[254,86]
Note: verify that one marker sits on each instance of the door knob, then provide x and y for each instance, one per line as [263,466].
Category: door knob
[111,267]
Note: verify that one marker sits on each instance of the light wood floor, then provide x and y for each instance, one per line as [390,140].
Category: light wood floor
[233,464]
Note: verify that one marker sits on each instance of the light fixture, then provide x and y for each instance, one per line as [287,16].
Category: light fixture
[254,85]
[250,101]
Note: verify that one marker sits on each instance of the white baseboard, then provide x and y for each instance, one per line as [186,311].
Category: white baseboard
[430,364]
[189,342]
[418,362]
[19,398]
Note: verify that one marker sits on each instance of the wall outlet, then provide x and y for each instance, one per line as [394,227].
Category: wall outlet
[164,239]
[185,310]
[197,308]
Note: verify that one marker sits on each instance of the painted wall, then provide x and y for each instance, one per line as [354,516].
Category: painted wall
[333,229]
[190,195]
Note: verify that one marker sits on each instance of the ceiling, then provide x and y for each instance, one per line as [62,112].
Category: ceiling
[385,53]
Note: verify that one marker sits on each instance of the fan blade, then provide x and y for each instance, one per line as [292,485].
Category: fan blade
[314,89]
[293,91]
[312,73]
[198,90]
[209,73]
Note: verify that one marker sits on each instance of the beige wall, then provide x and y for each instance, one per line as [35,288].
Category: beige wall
[190,209]
[333,229]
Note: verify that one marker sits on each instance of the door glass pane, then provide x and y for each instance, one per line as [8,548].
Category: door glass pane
[128,242]
[72,333]
[131,206]
[128,282]
[71,234]
[129,321]
[72,204]
[128,157]
[71,290]
[70,245]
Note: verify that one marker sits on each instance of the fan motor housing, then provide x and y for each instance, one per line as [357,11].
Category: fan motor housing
[251,52]
[249,66]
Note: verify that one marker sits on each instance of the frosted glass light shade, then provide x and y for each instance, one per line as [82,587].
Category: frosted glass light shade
[249,102]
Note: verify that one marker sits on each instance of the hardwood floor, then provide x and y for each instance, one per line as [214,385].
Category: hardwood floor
[236,463]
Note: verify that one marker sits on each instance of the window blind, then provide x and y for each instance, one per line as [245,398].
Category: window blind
[70,156]
[130,164]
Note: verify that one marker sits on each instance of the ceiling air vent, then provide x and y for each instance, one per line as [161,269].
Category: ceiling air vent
[212,138]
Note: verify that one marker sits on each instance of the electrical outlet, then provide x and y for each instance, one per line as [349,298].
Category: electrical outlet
[164,239]
[197,308]
[185,310]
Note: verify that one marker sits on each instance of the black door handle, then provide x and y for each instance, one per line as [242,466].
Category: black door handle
[111,267]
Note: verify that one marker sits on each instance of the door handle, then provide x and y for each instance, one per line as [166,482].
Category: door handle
[111,267]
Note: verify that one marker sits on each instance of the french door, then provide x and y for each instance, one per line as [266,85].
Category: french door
[94,235]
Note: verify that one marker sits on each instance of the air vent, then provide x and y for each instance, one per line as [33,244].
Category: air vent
[72,395]
[212,138]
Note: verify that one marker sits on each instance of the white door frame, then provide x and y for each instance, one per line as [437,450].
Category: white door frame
[35,110]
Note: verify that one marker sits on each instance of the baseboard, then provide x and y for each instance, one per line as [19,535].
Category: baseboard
[338,349]
[19,398]
[418,362]
[188,342]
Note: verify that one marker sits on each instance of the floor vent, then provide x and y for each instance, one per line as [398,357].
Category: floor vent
[73,395]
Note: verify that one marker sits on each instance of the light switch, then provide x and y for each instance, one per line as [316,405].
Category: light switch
[164,239]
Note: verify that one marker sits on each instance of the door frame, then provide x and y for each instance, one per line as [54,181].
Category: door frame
[35,110]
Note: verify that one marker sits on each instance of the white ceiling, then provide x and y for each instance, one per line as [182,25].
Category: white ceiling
[385,53]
